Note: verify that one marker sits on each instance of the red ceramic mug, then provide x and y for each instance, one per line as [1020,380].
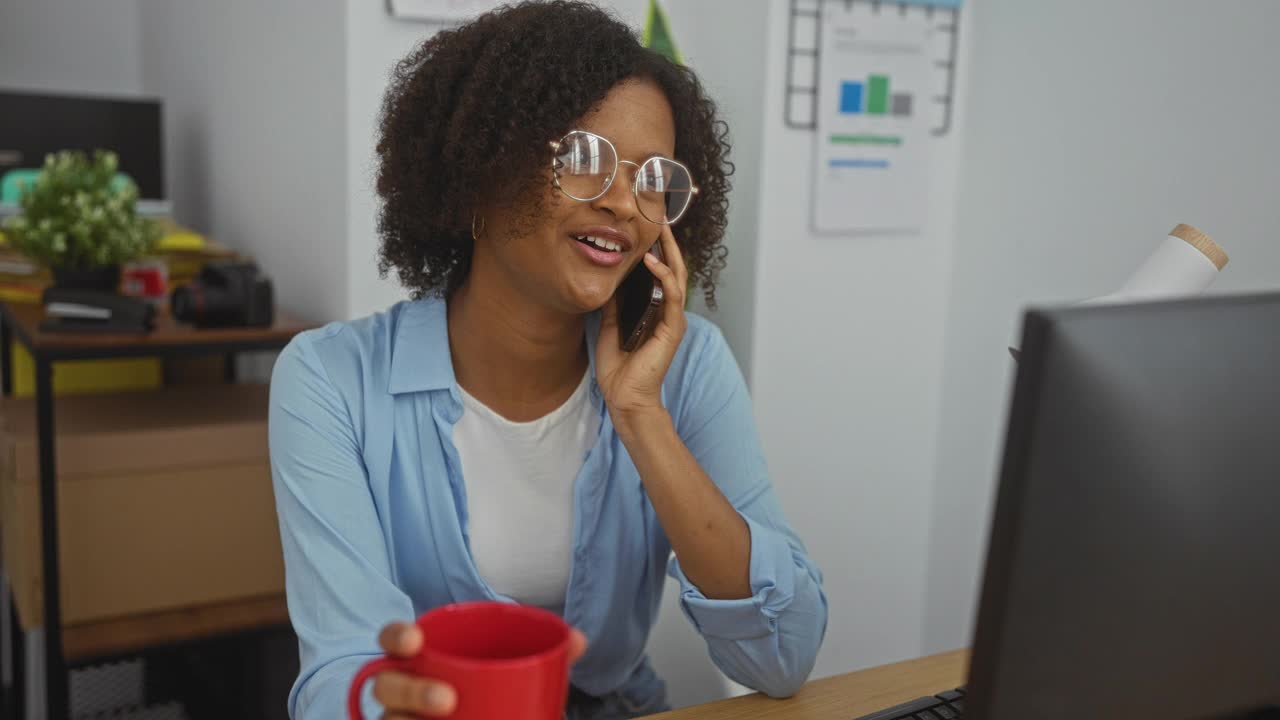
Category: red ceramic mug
[504,661]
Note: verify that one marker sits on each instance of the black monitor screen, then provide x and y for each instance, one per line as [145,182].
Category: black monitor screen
[33,125]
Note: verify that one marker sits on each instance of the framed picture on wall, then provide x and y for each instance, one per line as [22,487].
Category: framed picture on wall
[440,10]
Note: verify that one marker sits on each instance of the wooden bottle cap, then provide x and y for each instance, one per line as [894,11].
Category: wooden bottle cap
[1203,243]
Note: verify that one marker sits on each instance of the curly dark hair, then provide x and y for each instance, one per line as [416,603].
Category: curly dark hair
[469,114]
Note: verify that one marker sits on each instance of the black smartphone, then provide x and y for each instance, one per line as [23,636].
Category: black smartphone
[639,300]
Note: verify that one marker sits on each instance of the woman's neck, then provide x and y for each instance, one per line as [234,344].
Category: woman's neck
[520,360]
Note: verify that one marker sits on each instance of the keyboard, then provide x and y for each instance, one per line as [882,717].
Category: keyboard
[947,705]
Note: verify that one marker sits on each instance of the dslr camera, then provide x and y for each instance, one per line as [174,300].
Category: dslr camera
[225,294]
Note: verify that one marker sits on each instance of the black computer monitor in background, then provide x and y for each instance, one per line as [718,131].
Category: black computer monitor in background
[34,124]
[1133,569]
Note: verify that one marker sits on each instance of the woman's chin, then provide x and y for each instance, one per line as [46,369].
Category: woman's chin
[589,299]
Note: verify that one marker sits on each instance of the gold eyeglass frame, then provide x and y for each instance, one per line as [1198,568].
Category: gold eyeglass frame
[556,145]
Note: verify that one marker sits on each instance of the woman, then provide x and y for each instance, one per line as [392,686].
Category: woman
[490,439]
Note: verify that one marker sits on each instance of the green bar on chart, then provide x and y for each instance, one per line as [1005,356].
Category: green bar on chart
[878,94]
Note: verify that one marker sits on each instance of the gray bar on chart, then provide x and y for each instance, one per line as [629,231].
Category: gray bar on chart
[901,104]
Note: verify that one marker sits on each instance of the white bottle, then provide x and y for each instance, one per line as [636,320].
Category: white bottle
[1185,264]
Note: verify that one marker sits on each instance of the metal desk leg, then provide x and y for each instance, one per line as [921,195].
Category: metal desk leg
[229,368]
[6,650]
[11,655]
[10,694]
[6,358]
[16,698]
[55,673]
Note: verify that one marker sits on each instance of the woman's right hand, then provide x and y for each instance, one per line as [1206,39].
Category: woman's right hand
[408,697]
[404,696]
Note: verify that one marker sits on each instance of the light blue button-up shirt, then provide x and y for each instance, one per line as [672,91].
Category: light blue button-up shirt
[373,515]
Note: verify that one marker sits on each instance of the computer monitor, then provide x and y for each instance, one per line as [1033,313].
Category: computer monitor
[34,124]
[1133,569]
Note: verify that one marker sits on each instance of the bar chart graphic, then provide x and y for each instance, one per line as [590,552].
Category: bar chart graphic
[805,49]
[875,113]
[878,101]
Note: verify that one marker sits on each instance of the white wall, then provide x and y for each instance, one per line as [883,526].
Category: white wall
[1133,117]
[847,372]
[255,98]
[375,41]
[255,113]
[71,46]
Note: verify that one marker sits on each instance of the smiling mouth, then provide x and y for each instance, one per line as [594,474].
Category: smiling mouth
[599,243]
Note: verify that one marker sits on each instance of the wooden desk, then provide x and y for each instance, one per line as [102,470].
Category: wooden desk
[843,697]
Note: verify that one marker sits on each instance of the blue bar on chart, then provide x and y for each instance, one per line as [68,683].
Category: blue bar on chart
[851,97]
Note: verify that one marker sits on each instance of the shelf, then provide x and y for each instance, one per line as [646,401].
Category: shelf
[169,337]
[124,635]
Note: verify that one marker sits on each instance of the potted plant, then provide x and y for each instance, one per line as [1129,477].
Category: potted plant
[80,220]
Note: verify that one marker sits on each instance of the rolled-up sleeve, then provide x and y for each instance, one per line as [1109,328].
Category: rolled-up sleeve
[768,641]
[337,572]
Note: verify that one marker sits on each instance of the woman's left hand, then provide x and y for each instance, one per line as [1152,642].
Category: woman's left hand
[632,382]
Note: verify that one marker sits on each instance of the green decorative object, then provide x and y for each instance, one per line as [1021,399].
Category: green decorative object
[658,36]
[76,216]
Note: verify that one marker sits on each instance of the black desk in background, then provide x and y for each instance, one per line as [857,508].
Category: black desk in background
[21,322]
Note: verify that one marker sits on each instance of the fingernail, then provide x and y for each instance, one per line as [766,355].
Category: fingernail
[440,698]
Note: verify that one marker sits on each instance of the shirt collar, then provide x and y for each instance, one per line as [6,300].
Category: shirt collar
[420,356]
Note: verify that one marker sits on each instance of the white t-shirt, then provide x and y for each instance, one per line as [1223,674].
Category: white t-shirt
[519,478]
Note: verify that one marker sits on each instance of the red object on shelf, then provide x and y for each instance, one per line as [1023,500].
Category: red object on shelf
[147,279]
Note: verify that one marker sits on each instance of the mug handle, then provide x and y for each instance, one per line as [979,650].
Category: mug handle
[371,668]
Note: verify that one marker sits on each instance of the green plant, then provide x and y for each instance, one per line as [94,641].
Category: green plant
[75,217]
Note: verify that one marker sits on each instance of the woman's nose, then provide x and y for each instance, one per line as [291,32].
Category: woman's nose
[619,200]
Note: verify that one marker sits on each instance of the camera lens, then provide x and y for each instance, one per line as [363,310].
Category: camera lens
[183,305]
[207,306]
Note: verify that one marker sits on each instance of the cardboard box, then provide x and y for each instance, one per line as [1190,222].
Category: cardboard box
[164,499]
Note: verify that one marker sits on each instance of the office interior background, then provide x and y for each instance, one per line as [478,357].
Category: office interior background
[1083,131]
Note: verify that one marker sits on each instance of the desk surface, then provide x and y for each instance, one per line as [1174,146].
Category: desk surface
[169,334]
[843,697]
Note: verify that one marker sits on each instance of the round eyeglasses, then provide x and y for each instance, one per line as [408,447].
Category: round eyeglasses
[584,165]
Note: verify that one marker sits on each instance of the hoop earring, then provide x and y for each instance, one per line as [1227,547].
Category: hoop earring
[475,234]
